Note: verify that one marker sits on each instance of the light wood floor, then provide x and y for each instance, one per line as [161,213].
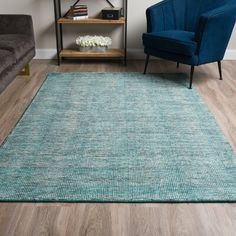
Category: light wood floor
[122,219]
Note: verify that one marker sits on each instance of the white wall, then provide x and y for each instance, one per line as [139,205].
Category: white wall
[43,17]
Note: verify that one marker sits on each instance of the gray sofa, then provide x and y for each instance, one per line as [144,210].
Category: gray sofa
[17,46]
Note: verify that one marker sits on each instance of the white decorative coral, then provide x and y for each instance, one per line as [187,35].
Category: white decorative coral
[93,41]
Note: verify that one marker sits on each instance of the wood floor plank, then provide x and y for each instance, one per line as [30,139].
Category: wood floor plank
[66,219]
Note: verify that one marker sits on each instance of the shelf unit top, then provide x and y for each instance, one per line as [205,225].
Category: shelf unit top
[64,20]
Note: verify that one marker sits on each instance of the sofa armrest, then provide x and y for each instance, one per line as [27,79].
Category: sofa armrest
[214,32]
[160,17]
[16,24]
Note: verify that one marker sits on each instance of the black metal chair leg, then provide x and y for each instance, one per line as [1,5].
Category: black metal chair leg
[191,77]
[146,64]
[220,70]
[177,65]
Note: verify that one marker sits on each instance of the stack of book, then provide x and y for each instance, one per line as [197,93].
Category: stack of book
[78,12]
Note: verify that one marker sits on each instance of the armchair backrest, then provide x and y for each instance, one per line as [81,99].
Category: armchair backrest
[180,14]
[195,8]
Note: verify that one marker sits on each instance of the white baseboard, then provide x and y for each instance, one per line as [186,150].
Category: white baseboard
[133,54]
[45,54]
[137,54]
[230,54]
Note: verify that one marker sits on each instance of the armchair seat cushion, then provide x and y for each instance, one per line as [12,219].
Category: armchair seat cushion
[17,44]
[6,59]
[173,41]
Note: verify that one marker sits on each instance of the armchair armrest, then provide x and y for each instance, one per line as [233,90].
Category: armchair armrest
[16,24]
[160,16]
[213,33]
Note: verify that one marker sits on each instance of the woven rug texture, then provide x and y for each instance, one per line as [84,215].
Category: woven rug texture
[117,137]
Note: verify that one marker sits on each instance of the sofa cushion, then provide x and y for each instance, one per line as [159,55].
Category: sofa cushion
[175,41]
[16,43]
[7,59]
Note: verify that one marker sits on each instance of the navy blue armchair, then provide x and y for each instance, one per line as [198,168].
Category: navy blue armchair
[192,32]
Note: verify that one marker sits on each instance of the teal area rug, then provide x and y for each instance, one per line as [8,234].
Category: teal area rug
[117,137]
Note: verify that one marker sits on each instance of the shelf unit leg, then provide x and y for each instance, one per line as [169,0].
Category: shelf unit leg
[57,31]
[125,5]
[60,25]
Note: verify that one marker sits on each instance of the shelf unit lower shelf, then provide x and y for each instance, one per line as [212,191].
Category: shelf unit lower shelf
[110,53]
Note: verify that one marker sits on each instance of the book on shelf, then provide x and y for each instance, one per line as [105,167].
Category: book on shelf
[72,8]
[80,7]
[78,12]
[78,17]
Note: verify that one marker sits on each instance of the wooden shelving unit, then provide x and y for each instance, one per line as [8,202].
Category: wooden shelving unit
[115,53]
